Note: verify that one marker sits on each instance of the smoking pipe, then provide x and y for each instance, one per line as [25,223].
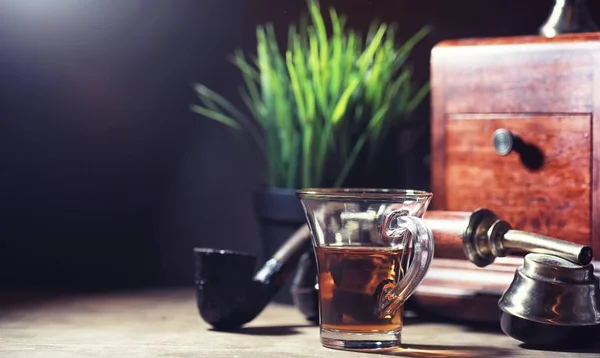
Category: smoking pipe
[228,295]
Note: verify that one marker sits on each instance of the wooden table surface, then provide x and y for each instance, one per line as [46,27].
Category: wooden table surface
[166,323]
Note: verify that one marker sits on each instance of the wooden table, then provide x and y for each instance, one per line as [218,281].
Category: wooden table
[166,323]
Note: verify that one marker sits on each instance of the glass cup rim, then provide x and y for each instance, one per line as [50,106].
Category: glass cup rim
[362,193]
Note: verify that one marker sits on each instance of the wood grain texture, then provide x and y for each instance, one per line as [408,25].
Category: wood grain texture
[447,228]
[166,324]
[554,200]
[458,289]
[596,159]
[572,40]
[547,77]
[438,134]
[558,82]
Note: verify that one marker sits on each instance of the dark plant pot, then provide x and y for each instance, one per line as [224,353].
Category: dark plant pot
[280,214]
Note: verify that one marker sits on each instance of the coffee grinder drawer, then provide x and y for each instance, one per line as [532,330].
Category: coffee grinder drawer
[533,170]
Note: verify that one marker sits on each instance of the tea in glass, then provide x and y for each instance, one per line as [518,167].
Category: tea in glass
[372,251]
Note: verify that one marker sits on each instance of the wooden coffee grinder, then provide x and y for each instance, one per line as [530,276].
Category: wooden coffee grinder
[516,130]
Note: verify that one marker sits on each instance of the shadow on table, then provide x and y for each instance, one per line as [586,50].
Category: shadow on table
[285,330]
[592,347]
[467,325]
[430,351]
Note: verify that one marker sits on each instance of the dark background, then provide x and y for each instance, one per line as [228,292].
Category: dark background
[107,181]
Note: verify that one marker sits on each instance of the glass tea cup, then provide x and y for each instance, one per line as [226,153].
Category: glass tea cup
[372,251]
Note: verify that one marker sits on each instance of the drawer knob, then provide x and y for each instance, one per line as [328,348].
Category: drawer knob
[504,141]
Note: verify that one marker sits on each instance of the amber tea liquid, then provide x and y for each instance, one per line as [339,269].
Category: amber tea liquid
[350,283]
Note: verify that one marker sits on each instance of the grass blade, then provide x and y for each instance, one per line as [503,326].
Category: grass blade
[336,55]
[418,97]
[307,159]
[315,68]
[296,88]
[214,97]
[367,56]
[342,104]
[217,116]
[321,33]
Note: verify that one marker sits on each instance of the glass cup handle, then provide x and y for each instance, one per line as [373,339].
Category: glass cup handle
[423,250]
